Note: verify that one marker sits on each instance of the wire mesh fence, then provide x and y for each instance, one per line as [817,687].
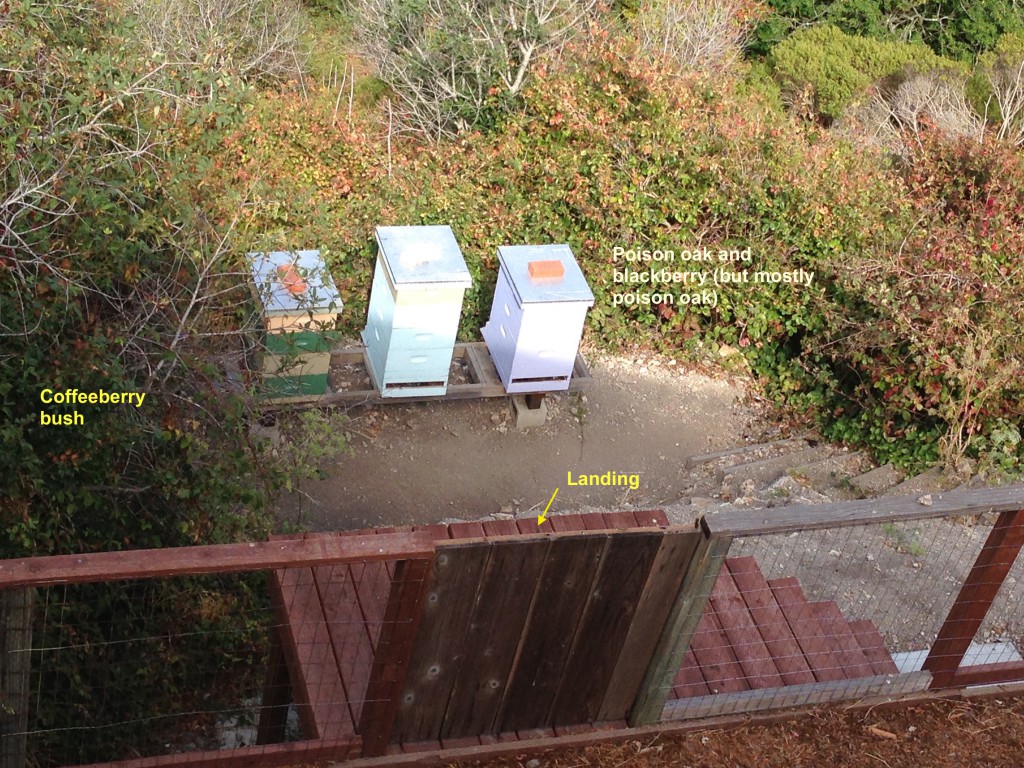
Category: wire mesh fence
[268,666]
[135,668]
[297,650]
[816,615]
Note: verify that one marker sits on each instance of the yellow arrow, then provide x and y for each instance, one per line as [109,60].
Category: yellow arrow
[540,517]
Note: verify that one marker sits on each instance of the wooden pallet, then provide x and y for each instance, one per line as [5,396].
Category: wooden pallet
[484,380]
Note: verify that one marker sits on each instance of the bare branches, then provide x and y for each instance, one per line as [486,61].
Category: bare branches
[919,101]
[448,63]
[256,40]
[693,35]
[1005,75]
[938,98]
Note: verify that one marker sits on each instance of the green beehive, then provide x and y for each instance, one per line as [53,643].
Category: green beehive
[300,307]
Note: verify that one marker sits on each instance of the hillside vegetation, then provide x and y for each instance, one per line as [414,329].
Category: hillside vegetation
[145,153]
[148,145]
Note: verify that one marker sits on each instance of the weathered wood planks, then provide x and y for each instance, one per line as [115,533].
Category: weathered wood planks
[510,581]
[682,622]
[1008,498]
[565,587]
[604,626]
[439,646]
[211,558]
[15,668]
[652,612]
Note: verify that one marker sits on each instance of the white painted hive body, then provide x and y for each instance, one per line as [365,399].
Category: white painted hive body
[415,305]
[536,321]
[298,324]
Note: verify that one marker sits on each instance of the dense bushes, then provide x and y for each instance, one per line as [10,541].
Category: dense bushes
[952,29]
[835,68]
[608,152]
[112,277]
[452,65]
[118,272]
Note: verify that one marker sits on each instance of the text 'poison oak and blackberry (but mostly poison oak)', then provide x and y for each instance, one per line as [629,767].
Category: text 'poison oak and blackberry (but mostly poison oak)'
[691,276]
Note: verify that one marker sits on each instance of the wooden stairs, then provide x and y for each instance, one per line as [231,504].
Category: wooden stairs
[759,643]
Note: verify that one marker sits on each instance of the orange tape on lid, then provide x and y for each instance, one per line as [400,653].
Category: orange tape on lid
[291,279]
[546,270]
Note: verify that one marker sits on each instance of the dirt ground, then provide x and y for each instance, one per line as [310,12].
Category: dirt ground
[947,734]
[437,461]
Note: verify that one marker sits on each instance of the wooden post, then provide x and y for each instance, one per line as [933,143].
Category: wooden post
[682,623]
[15,666]
[972,604]
[273,720]
[391,658]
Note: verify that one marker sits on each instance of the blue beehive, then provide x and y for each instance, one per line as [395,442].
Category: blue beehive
[300,305]
[536,322]
[415,304]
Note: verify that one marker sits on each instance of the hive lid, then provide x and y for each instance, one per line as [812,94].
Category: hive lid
[272,277]
[544,287]
[423,254]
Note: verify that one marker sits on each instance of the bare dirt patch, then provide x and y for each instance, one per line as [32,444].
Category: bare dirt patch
[434,461]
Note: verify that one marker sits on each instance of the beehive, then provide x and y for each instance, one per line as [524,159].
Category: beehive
[536,321]
[415,303]
[300,307]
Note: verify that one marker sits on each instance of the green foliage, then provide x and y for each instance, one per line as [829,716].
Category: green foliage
[88,247]
[135,661]
[951,29]
[116,275]
[308,441]
[607,152]
[962,30]
[838,67]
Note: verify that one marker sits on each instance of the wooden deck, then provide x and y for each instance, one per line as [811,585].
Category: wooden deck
[758,642]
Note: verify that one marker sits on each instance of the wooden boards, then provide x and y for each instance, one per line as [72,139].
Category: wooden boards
[1007,498]
[980,588]
[532,632]
[211,558]
[15,668]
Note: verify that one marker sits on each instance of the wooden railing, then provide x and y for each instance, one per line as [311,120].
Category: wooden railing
[410,555]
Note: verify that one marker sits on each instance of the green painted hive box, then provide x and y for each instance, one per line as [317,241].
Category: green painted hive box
[300,307]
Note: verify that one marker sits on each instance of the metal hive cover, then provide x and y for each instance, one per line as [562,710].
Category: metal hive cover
[571,287]
[320,295]
[423,254]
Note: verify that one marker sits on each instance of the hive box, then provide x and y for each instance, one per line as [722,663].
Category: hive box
[540,303]
[300,306]
[415,304]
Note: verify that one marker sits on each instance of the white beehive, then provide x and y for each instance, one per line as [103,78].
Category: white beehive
[536,322]
[415,304]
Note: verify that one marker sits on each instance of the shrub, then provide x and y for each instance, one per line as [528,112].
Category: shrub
[908,105]
[837,68]
[695,35]
[256,40]
[999,84]
[953,29]
[455,64]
